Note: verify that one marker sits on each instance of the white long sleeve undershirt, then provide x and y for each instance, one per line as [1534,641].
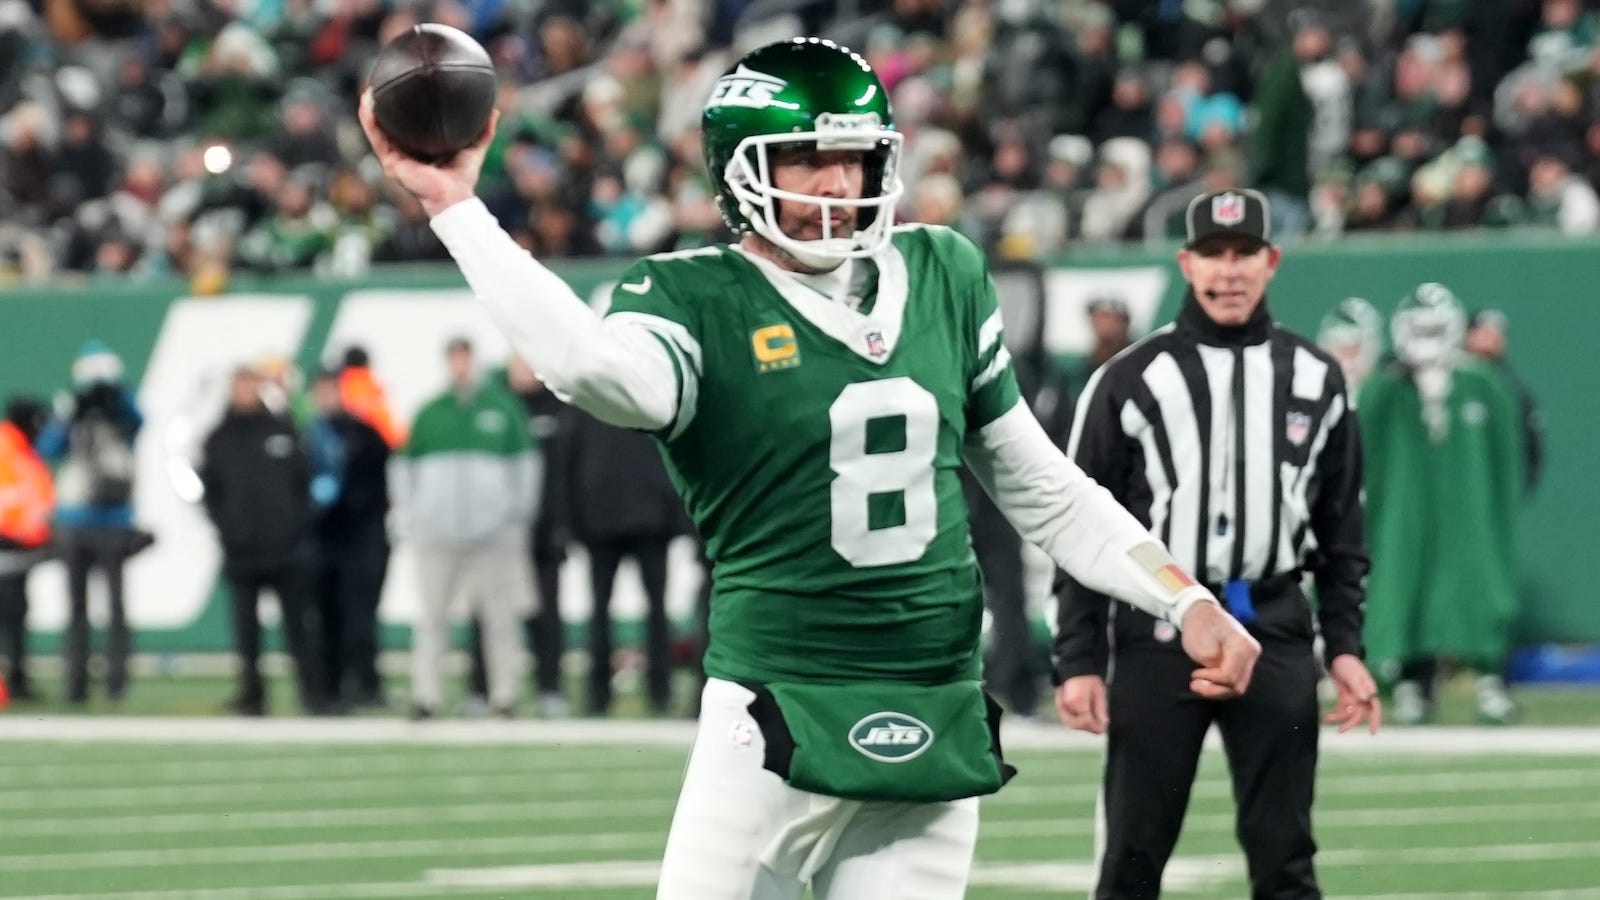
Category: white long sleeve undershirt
[617,371]
[1054,505]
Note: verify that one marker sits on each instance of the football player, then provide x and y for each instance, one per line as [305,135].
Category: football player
[815,388]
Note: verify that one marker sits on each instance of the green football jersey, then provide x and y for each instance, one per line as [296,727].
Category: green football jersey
[817,450]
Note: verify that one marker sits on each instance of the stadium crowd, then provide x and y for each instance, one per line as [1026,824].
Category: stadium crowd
[194,138]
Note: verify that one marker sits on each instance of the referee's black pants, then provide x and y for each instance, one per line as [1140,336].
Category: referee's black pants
[1154,743]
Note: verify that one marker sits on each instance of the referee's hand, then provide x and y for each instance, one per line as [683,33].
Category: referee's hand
[1225,651]
[1081,701]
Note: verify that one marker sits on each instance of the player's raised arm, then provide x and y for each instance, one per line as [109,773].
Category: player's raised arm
[619,373]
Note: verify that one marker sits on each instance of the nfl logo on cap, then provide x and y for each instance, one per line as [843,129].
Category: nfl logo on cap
[1227,209]
[1241,212]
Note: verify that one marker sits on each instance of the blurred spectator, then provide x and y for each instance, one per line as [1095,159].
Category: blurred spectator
[362,227]
[93,442]
[1131,113]
[350,547]
[1488,336]
[550,424]
[464,490]
[629,510]
[298,232]
[1122,185]
[1110,329]
[1557,198]
[304,136]
[1286,117]
[27,498]
[361,394]
[257,494]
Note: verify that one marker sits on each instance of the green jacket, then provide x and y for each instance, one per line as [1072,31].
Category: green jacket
[1441,519]
[468,469]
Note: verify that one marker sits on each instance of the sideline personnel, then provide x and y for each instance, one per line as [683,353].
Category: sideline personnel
[1232,440]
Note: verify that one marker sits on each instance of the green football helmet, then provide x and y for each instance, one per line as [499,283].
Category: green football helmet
[1428,325]
[1353,334]
[812,92]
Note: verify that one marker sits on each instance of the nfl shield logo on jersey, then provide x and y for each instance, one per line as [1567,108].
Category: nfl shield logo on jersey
[1227,209]
[876,346]
[1298,428]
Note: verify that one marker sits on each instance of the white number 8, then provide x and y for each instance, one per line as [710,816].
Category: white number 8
[861,474]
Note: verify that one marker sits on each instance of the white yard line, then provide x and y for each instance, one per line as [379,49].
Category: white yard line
[342,817]
[300,771]
[1553,894]
[476,732]
[266,768]
[1341,785]
[1078,822]
[325,851]
[660,733]
[357,891]
[532,786]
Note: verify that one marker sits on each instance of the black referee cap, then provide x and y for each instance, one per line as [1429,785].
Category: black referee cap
[1242,212]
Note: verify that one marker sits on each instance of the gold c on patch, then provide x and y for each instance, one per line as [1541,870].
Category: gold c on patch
[775,348]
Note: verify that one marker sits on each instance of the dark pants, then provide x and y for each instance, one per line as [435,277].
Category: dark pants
[545,630]
[1012,666]
[604,557]
[106,549]
[347,583]
[1154,744]
[288,581]
[14,631]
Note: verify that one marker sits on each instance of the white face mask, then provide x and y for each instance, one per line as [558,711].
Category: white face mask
[1427,339]
[751,184]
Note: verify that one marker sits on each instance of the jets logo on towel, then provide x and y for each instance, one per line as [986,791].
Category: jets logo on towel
[891,737]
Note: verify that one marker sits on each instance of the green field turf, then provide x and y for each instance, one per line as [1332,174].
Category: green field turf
[451,809]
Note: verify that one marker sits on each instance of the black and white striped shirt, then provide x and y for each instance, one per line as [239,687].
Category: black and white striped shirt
[1237,447]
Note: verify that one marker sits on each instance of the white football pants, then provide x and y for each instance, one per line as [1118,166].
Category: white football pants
[740,833]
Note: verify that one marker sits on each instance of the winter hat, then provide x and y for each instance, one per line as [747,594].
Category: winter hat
[96,364]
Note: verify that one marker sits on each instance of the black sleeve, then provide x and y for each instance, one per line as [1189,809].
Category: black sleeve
[1081,645]
[1532,436]
[366,478]
[1337,519]
[210,480]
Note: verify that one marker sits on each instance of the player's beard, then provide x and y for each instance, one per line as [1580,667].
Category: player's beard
[805,225]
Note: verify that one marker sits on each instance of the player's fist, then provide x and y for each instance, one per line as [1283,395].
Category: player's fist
[1226,653]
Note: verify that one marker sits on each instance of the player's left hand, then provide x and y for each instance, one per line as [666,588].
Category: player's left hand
[1358,695]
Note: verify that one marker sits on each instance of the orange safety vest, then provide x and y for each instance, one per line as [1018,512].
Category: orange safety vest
[27,494]
[363,398]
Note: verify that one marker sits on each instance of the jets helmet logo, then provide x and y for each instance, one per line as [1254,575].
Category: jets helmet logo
[748,88]
[891,737]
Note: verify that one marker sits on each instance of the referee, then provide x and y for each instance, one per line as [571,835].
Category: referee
[1232,439]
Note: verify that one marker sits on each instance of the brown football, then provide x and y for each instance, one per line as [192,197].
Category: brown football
[433,88]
